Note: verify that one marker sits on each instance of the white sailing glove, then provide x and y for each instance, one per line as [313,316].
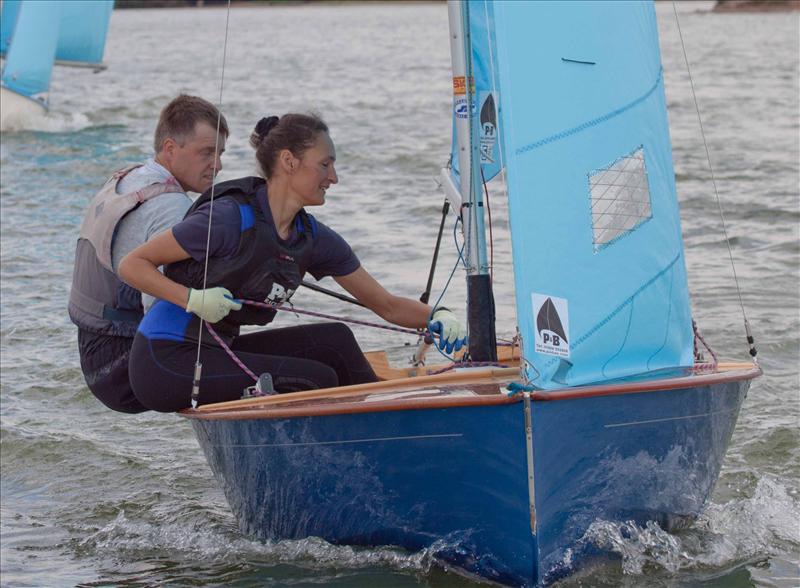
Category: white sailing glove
[452,334]
[211,305]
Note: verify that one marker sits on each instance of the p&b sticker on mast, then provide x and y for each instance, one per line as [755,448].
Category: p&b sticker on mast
[488,127]
[552,325]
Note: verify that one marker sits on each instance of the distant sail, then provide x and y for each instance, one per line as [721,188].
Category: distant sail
[83,29]
[29,61]
[594,218]
[8,20]
[484,58]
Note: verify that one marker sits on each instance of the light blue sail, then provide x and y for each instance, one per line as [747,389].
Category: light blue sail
[8,19]
[486,117]
[82,31]
[29,60]
[600,278]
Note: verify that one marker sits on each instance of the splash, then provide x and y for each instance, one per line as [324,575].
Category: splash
[52,122]
[764,524]
[219,544]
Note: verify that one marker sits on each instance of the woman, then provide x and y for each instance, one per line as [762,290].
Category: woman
[261,243]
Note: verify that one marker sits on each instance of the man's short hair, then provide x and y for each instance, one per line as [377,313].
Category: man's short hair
[179,117]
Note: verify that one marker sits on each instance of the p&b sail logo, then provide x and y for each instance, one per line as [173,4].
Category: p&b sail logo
[552,325]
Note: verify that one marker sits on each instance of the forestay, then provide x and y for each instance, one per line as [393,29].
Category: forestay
[600,279]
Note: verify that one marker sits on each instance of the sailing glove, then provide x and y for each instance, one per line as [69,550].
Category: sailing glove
[452,334]
[211,305]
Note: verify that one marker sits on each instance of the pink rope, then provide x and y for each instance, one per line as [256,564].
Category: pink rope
[230,352]
[271,306]
[699,337]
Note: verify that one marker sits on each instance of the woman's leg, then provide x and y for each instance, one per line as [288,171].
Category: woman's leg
[161,373]
[332,344]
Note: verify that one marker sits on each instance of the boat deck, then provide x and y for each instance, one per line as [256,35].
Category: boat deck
[422,388]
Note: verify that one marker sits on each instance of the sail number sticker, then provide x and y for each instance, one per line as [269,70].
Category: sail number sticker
[552,325]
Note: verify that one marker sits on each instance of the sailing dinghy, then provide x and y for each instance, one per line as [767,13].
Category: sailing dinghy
[603,411]
[35,35]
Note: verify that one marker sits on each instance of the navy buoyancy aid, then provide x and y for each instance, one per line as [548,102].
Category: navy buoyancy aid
[99,301]
[263,268]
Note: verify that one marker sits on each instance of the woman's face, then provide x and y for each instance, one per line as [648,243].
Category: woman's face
[314,171]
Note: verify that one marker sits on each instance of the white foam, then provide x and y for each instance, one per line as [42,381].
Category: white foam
[220,544]
[52,122]
[764,524]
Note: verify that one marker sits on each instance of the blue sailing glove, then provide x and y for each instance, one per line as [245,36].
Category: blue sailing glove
[452,334]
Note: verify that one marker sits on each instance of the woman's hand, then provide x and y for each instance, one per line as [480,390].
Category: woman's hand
[213,304]
[405,311]
[452,334]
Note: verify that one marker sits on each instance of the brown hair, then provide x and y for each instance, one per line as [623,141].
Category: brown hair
[295,132]
[179,117]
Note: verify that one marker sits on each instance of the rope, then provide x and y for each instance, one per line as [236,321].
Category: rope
[699,337]
[198,367]
[271,306]
[466,364]
[714,182]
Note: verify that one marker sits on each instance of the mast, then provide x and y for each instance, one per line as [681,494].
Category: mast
[480,300]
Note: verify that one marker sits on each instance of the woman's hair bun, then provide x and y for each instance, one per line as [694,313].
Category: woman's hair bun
[265,125]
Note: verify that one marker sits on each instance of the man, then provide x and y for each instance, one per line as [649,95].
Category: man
[135,204]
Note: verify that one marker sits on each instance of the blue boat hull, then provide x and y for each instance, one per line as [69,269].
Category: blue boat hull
[457,478]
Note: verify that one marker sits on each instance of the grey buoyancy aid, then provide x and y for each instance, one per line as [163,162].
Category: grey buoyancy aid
[263,268]
[99,301]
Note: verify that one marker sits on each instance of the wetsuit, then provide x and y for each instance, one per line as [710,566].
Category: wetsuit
[247,256]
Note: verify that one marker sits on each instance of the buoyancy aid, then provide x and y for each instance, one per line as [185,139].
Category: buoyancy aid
[263,268]
[99,301]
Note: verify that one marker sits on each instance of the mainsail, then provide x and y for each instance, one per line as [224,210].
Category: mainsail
[82,31]
[34,34]
[8,19]
[600,280]
[29,59]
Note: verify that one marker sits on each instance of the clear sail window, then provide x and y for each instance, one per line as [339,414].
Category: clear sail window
[620,198]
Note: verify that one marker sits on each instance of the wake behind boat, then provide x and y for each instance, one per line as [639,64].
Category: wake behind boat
[603,410]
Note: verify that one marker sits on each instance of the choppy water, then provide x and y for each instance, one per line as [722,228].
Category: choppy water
[94,498]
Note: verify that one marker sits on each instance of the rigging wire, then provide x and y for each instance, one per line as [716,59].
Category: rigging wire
[750,339]
[198,367]
[491,236]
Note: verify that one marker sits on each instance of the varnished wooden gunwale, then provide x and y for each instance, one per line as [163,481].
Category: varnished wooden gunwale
[353,399]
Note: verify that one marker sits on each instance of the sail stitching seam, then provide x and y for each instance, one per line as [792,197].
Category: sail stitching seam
[617,310]
[593,122]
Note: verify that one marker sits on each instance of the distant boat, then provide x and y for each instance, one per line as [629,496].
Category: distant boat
[606,411]
[35,35]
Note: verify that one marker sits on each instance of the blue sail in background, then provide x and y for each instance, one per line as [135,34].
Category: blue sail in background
[484,57]
[8,20]
[29,60]
[600,278]
[82,31]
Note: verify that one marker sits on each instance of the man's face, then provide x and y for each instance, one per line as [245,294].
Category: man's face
[195,163]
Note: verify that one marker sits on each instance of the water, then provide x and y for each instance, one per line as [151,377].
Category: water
[93,498]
